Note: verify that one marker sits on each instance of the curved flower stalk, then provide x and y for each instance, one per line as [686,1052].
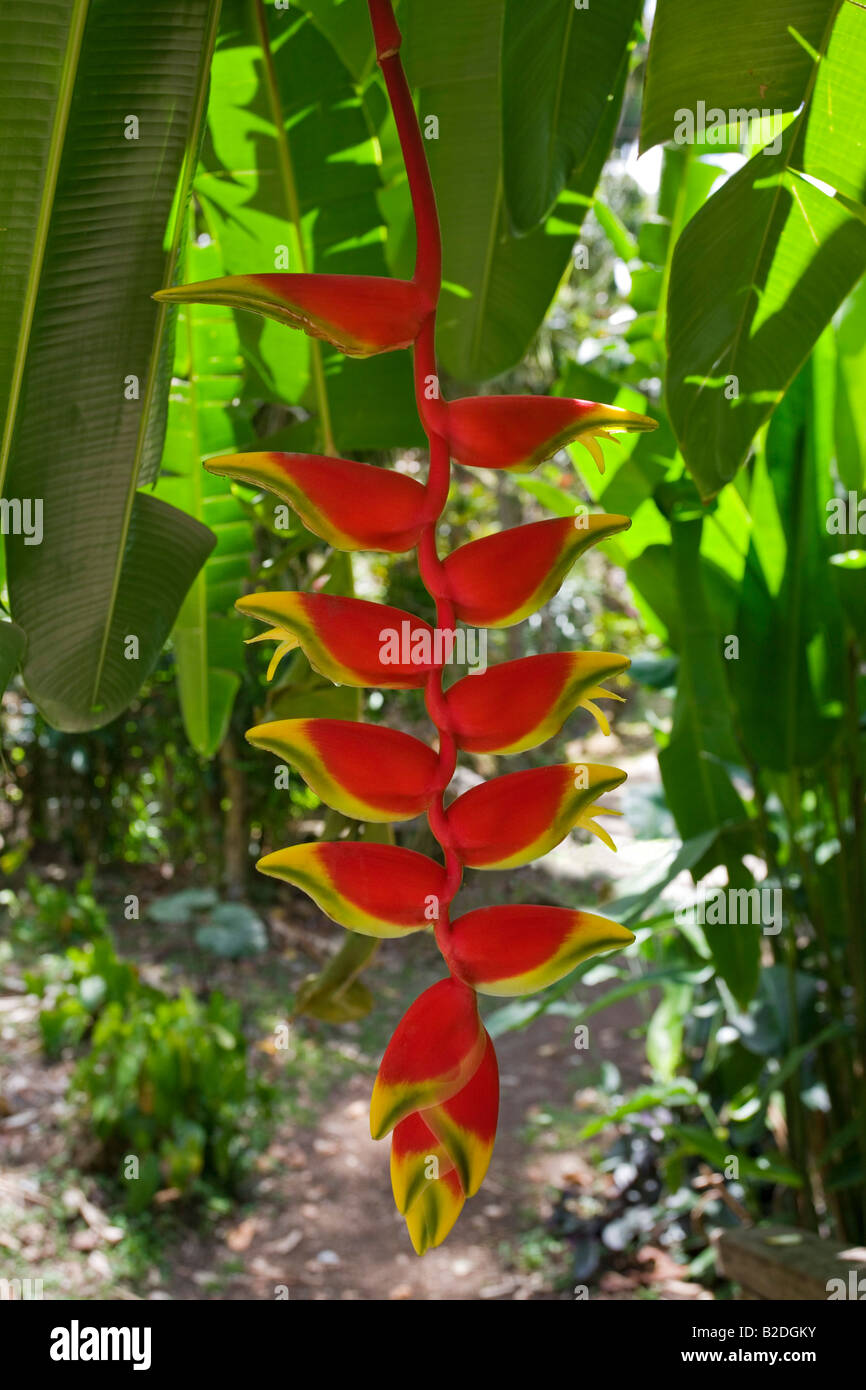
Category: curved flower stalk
[436,1092]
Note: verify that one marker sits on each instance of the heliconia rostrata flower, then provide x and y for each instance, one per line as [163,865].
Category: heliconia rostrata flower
[437,1090]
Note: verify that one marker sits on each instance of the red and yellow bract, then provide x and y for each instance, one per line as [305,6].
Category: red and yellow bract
[499,580]
[352,506]
[520,704]
[437,1090]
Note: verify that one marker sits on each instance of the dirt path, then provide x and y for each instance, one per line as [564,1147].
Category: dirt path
[320,1222]
[326,1226]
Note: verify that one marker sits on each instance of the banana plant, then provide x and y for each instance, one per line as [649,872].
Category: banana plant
[206,416]
[95,189]
[507,243]
[289,177]
[764,265]
[757,597]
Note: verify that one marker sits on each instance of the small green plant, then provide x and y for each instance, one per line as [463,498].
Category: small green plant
[165,1083]
[50,915]
[231,930]
[169,1094]
[76,987]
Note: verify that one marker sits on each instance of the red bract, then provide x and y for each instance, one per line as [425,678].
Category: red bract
[349,640]
[353,506]
[436,1049]
[377,890]
[501,579]
[514,819]
[437,1088]
[516,950]
[519,432]
[359,314]
[522,703]
[367,772]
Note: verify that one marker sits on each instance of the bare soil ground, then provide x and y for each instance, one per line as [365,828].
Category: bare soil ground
[318,1221]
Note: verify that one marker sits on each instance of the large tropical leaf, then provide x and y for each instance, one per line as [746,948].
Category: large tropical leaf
[98,597]
[559,67]
[790,678]
[757,275]
[11,648]
[205,417]
[850,391]
[289,180]
[497,287]
[745,57]
[346,24]
[761,269]
[834,137]
[698,786]
[695,764]
[28,171]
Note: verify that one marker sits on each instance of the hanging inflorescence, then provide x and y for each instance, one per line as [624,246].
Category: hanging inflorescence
[437,1089]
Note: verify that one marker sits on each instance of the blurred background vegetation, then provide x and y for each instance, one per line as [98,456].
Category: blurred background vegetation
[159,1001]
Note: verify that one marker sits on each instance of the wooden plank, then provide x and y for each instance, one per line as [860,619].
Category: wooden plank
[780,1262]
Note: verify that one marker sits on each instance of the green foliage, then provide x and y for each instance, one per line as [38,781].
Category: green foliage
[206,417]
[231,930]
[48,916]
[498,287]
[560,67]
[758,599]
[77,987]
[759,272]
[784,255]
[738,63]
[12,642]
[166,1082]
[86,357]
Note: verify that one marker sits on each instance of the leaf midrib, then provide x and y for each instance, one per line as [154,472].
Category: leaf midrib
[557,106]
[185,187]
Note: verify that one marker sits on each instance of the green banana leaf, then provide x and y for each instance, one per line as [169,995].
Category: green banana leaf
[727,60]
[28,170]
[559,67]
[205,417]
[11,649]
[789,681]
[759,272]
[851,390]
[833,139]
[105,153]
[289,179]
[346,26]
[498,287]
[698,786]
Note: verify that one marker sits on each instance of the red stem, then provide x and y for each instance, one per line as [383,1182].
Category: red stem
[386,31]
[431,407]
[428,259]
[433,411]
